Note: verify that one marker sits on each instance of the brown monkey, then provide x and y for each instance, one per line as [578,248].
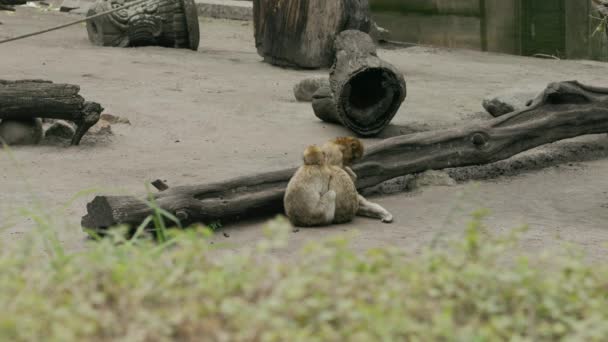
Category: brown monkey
[347,202]
[351,150]
[308,200]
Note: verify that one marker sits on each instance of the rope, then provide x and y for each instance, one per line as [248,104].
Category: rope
[127,5]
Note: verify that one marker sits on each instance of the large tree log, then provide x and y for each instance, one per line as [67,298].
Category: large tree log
[168,23]
[564,110]
[365,92]
[28,99]
[301,33]
[8,5]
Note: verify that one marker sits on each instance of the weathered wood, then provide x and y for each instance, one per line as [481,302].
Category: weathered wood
[27,99]
[301,33]
[8,5]
[168,23]
[564,110]
[365,91]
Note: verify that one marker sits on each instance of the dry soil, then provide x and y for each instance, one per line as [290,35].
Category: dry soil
[220,112]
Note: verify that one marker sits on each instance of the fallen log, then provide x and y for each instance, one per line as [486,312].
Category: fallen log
[168,23]
[9,5]
[365,92]
[564,110]
[29,99]
[301,33]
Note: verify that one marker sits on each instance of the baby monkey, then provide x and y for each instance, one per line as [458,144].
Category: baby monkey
[308,200]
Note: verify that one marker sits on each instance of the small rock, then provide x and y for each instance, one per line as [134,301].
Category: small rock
[390,186]
[508,101]
[304,90]
[114,119]
[60,129]
[431,178]
[102,127]
[21,132]
[379,34]
[410,183]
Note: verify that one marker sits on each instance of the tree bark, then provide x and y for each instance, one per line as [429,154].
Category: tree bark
[301,33]
[27,99]
[8,5]
[564,110]
[168,23]
[365,92]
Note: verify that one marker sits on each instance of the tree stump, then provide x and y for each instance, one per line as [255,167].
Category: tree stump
[29,99]
[301,33]
[8,5]
[365,92]
[564,110]
[168,23]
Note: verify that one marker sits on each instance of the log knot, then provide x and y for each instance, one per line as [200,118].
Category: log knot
[479,139]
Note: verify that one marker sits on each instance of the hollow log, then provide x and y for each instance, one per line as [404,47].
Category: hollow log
[564,110]
[365,92]
[28,99]
[9,5]
[168,23]
[301,33]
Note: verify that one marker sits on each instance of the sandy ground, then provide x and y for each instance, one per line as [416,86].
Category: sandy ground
[220,112]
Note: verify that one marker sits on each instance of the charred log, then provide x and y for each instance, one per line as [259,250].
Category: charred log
[301,33]
[564,110]
[29,99]
[365,91]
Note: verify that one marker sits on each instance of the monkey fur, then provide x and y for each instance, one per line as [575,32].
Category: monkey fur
[351,149]
[308,200]
[323,191]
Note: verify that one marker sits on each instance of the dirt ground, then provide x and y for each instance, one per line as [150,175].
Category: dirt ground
[220,112]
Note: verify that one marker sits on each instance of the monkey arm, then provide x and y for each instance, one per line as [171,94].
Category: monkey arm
[351,173]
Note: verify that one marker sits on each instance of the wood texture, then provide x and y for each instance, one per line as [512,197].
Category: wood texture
[26,99]
[8,5]
[301,33]
[366,91]
[168,23]
[564,110]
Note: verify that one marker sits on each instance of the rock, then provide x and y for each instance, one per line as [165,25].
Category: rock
[76,6]
[102,127]
[509,101]
[60,129]
[304,90]
[411,183]
[431,178]
[391,186]
[379,34]
[21,132]
[114,119]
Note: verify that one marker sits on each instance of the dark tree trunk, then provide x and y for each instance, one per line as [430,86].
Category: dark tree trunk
[27,99]
[301,33]
[365,91]
[168,23]
[564,110]
[8,5]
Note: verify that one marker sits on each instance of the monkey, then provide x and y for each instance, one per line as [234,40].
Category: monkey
[342,183]
[308,201]
[351,149]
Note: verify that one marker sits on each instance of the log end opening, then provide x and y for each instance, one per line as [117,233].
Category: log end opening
[370,99]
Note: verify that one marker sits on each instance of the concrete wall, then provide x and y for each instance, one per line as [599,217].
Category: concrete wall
[502,26]
[442,7]
[491,25]
[439,30]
